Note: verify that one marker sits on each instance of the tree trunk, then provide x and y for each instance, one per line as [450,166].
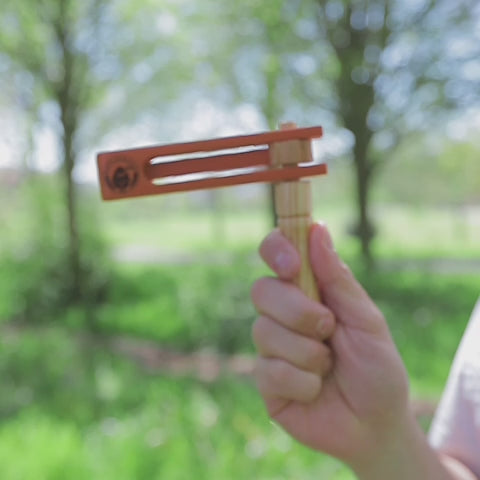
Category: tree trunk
[272,107]
[355,119]
[72,220]
[364,227]
[356,98]
[218,227]
[271,205]
[68,99]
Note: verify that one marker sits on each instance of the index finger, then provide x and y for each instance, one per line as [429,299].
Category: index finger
[289,306]
[280,255]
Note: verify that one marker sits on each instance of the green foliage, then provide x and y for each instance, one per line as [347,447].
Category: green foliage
[190,306]
[378,68]
[123,423]
[427,170]
[72,409]
[427,314]
[76,410]
[34,256]
[92,414]
[35,433]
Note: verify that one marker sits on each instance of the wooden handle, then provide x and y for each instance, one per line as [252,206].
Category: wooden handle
[293,206]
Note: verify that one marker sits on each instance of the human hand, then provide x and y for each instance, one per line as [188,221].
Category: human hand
[329,373]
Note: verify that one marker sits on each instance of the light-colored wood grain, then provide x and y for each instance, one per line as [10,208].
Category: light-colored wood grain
[291,152]
[293,199]
[293,206]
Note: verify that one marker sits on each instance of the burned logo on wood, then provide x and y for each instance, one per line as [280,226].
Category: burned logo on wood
[121,175]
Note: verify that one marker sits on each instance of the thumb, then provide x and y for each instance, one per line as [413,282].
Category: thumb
[339,289]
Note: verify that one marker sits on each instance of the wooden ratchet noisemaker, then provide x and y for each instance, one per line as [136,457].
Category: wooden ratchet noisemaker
[283,156]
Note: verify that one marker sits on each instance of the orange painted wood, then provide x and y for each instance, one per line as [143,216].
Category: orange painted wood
[215,163]
[134,172]
[265,138]
[145,186]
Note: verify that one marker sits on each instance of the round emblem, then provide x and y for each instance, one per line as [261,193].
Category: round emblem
[121,175]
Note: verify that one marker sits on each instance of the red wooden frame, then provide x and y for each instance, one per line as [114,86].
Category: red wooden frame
[136,172]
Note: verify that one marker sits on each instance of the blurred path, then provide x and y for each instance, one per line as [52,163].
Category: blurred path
[144,254]
[209,366]
[147,254]
[205,366]
[445,266]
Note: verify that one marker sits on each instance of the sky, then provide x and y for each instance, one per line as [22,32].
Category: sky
[206,121]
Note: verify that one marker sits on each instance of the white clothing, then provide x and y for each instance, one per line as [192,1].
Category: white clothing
[455,429]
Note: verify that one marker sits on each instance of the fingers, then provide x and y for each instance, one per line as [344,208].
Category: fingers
[286,304]
[290,331]
[279,379]
[280,255]
[275,341]
[340,290]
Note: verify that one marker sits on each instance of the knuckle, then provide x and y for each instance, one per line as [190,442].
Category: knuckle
[327,325]
[258,290]
[314,388]
[376,313]
[314,354]
[328,316]
[280,372]
[260,331]
[345,271]
[265,247]
[308,316]
[343,275]
[269,242]
[327,364]
[257,369]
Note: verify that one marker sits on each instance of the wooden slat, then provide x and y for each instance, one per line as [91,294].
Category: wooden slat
[215,163]
[147,187]
[147,153]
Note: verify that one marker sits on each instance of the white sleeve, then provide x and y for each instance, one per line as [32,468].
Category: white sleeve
[455,429]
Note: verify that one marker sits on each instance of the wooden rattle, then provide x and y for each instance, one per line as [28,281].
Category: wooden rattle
[283,156]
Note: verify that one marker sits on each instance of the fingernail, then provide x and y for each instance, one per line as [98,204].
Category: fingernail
[283,263]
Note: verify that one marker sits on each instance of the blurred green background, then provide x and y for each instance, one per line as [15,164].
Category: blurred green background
[125,347]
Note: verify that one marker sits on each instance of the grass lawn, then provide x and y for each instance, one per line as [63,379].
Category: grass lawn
[67,417]
[74,410]
[403,232]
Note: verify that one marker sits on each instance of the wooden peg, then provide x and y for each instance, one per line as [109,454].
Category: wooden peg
[293,206]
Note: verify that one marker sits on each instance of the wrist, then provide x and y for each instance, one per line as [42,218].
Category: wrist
[401,453]
[385,448]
